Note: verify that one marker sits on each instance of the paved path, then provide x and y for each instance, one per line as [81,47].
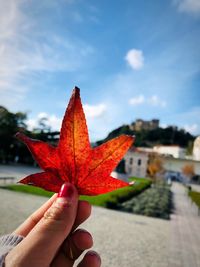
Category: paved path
[184,231]
[122,239]
[17,171]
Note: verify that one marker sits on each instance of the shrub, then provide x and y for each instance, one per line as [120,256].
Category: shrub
[155,202]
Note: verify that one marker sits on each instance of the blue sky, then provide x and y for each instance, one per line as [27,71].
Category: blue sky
[131,59]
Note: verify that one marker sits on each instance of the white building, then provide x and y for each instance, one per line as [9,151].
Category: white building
[176,165]
[173,157]
[196,149]
[145,149]
[136,163]
[172,150]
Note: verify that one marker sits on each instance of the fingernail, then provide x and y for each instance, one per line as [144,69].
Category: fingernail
[65,195]
[66,191]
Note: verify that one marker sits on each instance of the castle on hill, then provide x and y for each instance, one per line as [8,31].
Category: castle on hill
[140,125]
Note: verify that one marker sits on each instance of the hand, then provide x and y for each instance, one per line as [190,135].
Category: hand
[51,238]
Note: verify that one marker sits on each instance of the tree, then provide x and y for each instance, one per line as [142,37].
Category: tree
[188,170]
[149,138]
[190,148]
[155,165]
[10,123]
[10,148]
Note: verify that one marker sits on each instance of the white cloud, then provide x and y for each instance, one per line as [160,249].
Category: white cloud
[98,124]
[135,59]
[92,111]
[153,101]
[193,128]
[42,115]
[51,121]
[163,125]
[26,49]
[138,100]
[181,120]
[188,6]
[156,101]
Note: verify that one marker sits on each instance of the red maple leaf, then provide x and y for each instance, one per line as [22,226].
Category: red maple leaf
[74,160]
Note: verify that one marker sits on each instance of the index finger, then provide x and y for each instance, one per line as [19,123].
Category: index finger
[83,212]
[34,218]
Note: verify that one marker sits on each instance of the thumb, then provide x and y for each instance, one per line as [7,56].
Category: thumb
[43,242]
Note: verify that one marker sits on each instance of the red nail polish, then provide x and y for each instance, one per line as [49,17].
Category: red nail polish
[66,191]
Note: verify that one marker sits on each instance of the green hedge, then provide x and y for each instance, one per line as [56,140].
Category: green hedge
[195,196]
[112,199]
[155,202]
[109,200]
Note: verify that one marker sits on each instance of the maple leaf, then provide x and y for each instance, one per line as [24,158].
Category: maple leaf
[74,160]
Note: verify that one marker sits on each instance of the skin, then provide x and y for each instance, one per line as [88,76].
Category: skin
[52,238]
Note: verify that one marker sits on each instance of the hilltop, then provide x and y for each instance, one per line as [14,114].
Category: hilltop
[170,135]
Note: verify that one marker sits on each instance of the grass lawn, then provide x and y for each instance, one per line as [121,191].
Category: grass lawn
[109,200]
[28,189]
[195,196]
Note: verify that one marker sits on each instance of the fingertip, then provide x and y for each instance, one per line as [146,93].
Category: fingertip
[68,190]
[82,239]
[91,259]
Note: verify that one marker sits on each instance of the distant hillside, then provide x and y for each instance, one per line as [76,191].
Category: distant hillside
[149,138]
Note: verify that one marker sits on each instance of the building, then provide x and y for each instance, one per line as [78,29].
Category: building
[136,163]
[145,149]
[172,150]
[196,149]
[172,156]
[140,125]
[176,165]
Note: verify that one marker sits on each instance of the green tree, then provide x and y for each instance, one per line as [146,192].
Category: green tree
[190,148]
[10,123]
[170,135]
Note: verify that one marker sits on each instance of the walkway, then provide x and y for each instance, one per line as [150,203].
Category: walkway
[17,171]
[184,231]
